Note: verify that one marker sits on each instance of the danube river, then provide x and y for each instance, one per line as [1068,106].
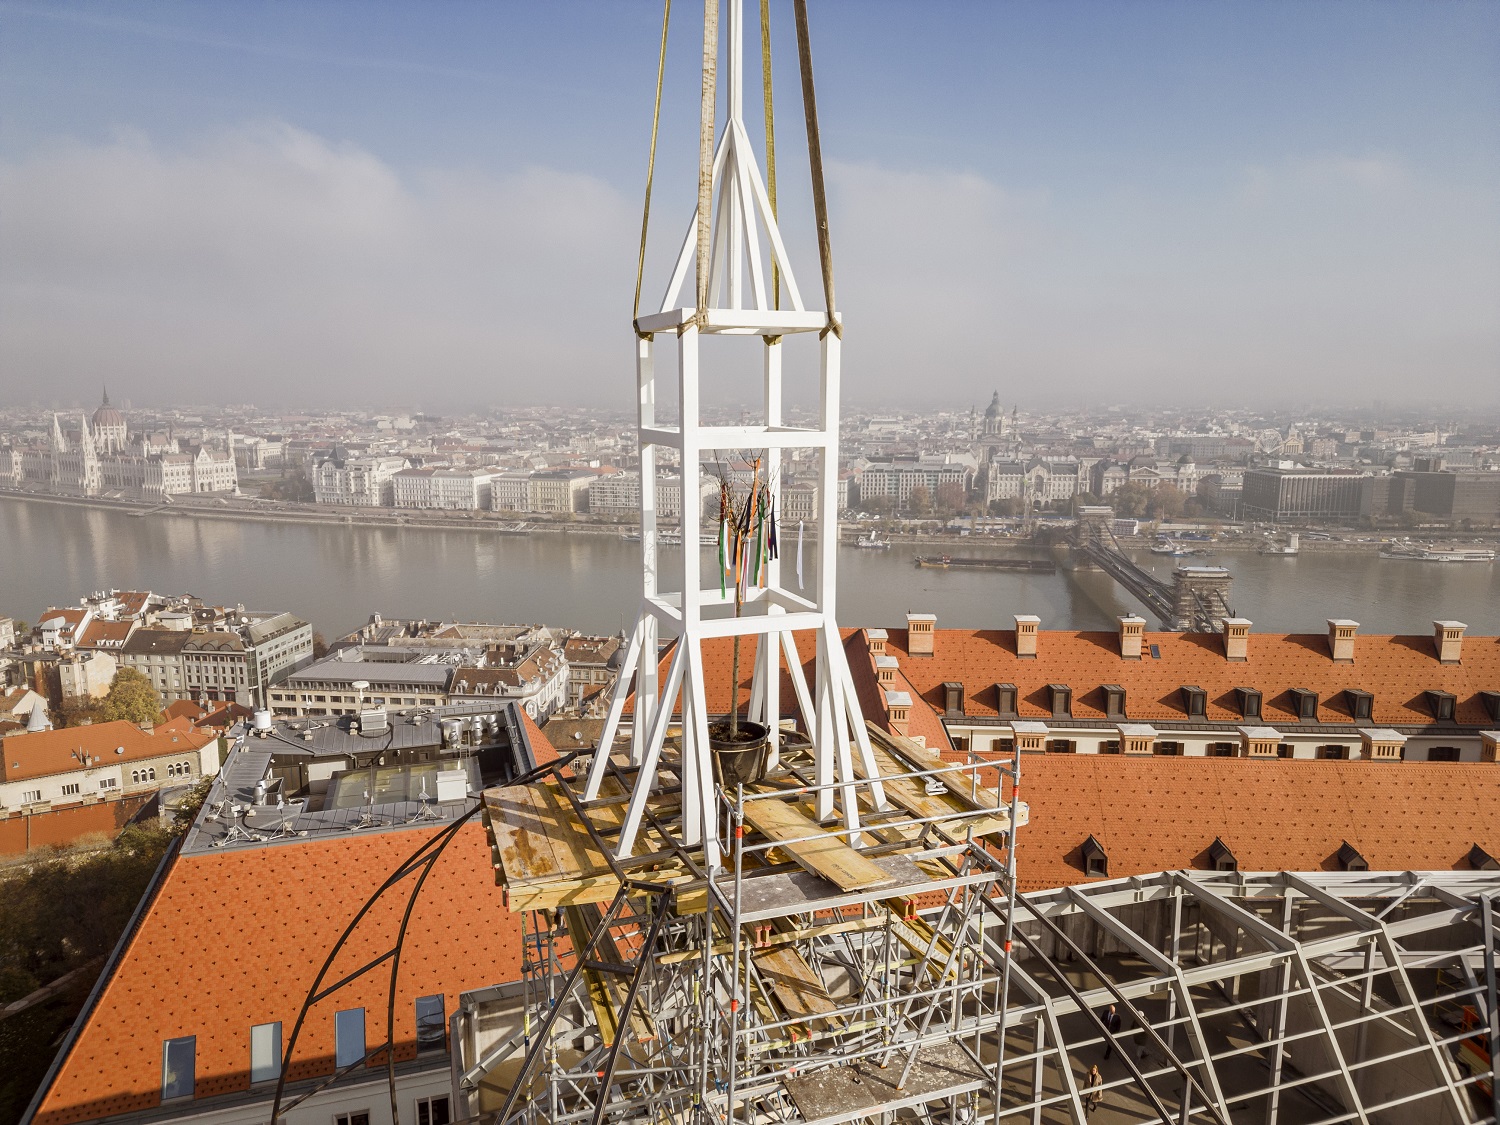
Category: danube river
[336,576]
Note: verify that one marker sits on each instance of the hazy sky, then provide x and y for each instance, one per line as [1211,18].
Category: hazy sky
[437,205]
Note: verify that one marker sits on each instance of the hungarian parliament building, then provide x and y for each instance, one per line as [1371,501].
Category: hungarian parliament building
[100,458]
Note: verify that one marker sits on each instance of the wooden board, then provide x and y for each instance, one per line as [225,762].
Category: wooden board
[911,794]
[796,987]
[826,856]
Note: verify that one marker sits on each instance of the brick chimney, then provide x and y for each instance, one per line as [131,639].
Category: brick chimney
[1236,638]
[898,711]
[1341,633]
[1026,631]
[1132,632]
[1448,639]
[885,670]
[876,639]
[919,633]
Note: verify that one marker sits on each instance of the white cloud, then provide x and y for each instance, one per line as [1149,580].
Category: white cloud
[273,265]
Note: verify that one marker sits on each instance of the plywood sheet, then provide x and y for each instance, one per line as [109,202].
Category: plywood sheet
[826,856]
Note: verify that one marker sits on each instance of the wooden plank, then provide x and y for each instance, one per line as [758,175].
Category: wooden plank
[796,987]
[825,856]
[522,843]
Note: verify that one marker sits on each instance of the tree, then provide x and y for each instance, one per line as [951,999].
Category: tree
[1167,501]
[320,646]
[1130,500]
[950,498]
[1007,508]
[132,698]
[919,500]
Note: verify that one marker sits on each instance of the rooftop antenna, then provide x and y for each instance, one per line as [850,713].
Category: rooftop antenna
[367,817]
[237,829]
[284,830]
[427,806]
[731,234]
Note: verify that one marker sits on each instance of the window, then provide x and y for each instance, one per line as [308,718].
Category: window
[1194,702]
[265,1052]
[349,1037]
[30,795]
[1249,702]
[1305,704]
[960,743]
[1005,699]
[432,1026]
[432,1111]
[358,1117]
[1441,703]
[1060,746]
[71,789]
[1062,701]
[1333,753]
[106,783]
[1114,701]
[1285,751]
[1223,749]
[1110,746]
[1095,861]
[1444,754]
[1168,749]
[177,1067]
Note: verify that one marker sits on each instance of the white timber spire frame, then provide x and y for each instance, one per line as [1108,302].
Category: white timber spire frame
[677,605]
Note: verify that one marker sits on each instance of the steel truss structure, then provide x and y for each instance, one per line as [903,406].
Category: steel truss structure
[1298,998]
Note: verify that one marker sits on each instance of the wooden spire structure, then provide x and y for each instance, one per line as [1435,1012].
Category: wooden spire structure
[735,249]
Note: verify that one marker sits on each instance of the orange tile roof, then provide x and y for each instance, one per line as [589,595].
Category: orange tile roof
[1397,670]
[1162,814]
[284,906]
[106,634]
[55,751]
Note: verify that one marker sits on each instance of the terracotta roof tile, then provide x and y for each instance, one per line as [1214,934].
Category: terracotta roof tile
[55,751]
[1396,670]
[282,907]
[1162,814]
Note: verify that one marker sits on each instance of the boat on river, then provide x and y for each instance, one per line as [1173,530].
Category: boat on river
[872,542]
[946,562]
[1418,552]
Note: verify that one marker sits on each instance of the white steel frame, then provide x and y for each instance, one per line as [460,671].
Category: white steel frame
[677,605]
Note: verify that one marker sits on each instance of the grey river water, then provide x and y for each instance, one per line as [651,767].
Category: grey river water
[336,576]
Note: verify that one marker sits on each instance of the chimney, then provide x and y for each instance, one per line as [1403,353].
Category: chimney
[1026,630]
[885,670]
[1341,633]
[1132,631]
[898,711]
[876,639]
[1448,639]
[919,630]
[1236,638]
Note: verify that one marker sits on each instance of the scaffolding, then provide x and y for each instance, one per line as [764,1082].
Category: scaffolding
[772,994]
[824,973]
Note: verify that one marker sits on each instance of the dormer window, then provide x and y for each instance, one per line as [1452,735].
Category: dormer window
[1005,700]
[1350,859]
[1481,860]
[1114,701]
[1221,857]
[1095,861]
[1062,701]
[1441,704]
[1361,704]
[1491,701]
[1194,702]
[953,698]
[1249,702]
[1305,704]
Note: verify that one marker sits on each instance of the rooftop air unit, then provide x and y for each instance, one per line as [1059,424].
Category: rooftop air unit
[373,721]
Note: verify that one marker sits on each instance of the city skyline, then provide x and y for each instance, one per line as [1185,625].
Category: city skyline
[1146,203]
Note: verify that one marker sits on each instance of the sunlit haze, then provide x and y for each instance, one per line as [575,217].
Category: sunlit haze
[437,206]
